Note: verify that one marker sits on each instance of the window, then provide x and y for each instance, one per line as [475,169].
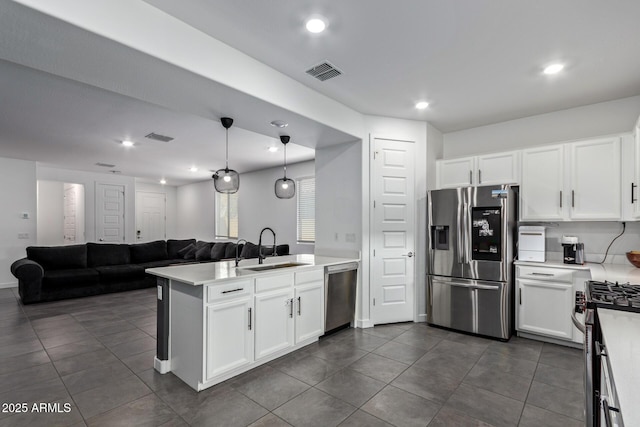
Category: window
[306,210]
[226,216]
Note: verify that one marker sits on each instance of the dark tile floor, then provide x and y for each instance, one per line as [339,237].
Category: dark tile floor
[96,355]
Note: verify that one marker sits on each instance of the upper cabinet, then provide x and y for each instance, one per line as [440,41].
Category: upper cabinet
[488,169]
[574,181]
[541,191]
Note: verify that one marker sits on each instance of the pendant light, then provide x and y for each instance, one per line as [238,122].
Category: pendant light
[226,180]
[285,187]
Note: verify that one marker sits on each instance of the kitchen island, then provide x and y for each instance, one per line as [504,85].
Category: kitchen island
[216,320]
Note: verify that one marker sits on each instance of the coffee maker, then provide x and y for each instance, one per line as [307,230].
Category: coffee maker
[573,250]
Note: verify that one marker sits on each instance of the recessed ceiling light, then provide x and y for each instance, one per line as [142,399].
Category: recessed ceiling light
[279,124]
[163,181]
[193,169]
[316,25]
[272,149]
[422,105]
[553,69]
[127,143]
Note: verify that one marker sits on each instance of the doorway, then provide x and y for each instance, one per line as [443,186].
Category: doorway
[151,219]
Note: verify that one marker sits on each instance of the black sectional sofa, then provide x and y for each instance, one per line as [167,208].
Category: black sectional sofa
[60,272]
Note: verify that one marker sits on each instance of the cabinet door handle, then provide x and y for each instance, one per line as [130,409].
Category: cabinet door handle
[541,274]
[520,295]
[299,306]
[470,177]
[232,290]
[291,307]
[633,199]
[560,198]
[573,199]
[249,318]
[479,176]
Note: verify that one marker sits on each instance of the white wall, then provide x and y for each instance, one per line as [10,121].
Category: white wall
[196,211]
[258,207]
[50,208]
[89,181]
[18,194]
[604,118]
[171,208]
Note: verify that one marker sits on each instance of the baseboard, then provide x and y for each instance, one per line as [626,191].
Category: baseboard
[365,323]
[8,285]
[549,339]
[162,366]
[421,318]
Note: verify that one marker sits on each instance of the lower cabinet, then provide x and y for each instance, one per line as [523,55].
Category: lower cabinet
[545,302]
[229,336]
[309,316]
[274,322]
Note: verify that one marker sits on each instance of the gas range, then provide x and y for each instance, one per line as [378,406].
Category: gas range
[614,296]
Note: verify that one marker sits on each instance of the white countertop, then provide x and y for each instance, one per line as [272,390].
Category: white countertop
[621,331]
[622,273]
[205,273]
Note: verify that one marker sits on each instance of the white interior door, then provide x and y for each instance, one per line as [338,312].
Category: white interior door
[150,216]
[393,231]
[110,213]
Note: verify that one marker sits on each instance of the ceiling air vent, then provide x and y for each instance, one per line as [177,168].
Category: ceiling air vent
[105,165]
[159,137]
[324,71]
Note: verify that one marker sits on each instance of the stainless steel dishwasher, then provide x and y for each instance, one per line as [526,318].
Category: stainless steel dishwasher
[340,283]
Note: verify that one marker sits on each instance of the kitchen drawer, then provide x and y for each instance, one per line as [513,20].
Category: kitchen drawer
[546,274]
[309,276]
[271,283]
[229,290]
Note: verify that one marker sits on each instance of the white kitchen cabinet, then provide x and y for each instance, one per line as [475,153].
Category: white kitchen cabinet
[309,299]
[634,198]
[498,168]
[487,169]
[595,173]
[574,181]
[455,172]
[542,187]
[545,302]
[274,313]
[229,336]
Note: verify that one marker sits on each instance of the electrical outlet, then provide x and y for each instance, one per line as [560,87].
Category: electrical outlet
[23,235]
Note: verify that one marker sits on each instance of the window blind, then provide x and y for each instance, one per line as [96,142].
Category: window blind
[306,210]
[226,223]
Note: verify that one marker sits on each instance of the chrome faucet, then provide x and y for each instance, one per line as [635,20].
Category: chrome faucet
[238,244]
[260,256]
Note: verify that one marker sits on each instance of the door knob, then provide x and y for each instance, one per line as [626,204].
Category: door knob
[410,254]
[102,240]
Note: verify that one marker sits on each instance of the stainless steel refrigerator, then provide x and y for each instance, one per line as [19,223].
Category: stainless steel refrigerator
[470,283]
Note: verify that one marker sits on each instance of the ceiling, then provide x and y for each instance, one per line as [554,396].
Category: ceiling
[476,61]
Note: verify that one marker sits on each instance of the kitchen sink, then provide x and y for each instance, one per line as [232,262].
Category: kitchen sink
[270,267]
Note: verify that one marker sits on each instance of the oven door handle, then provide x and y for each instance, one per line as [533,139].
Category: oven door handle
[577,323]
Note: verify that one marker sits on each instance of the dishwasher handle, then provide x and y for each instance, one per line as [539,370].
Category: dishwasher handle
[331,269]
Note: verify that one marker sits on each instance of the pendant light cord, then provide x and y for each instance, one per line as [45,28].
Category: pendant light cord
[285,161]
[226,161]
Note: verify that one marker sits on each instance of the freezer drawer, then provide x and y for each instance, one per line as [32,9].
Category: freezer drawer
[475,306]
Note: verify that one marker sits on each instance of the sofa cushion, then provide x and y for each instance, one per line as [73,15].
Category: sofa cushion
[147,252]
[120,273]
[203,251]
[218,250]
[70,277]
[249,250]
[100,254]
[230,250]
[188,252]
[154,264]
[59,257]
[174,246]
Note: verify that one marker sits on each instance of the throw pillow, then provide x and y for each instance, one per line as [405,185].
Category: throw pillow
[203,253]
[217,251]
[230,251]
[188,252]
[250,251]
